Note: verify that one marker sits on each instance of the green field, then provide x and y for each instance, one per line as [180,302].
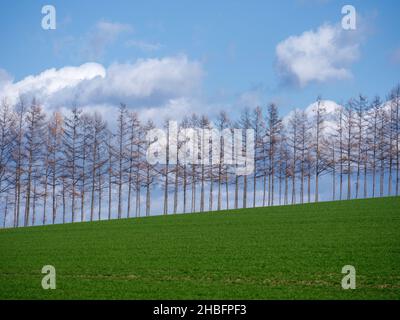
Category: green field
[287,252]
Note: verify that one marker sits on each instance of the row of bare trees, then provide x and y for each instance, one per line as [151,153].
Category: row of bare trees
[74,167]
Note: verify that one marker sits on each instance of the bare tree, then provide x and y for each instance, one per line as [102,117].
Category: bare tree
[72,148]
[393,138]
[185,124]
[204,126]
[166,167]
[139,173]
[340,135]
[349,142]
[373,119]
[223,123]
[150,171]
[382,146]
[283,168]
[72,160]
[258,125]
[303,146]
[86,140]
[293,141]
[133,155]
[18,157]
[96,159]
[110,170]
[360,105]
[319,119]
[7,143]
[395,107]
[34,144]
[194,176]
[272,132]
[120,153]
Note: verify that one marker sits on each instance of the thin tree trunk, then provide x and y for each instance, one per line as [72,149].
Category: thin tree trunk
[128,209]
[349,161]
[382,155]
[83,218]
[120,180]
[341,155]
[54,196]
[202,189]
[63,198]
[286,200]
[365,180]
[94,155]
[227,190]
[374,155]
[5,212]
[109,178]
[264,188]
[254,186]
[236,192]
[211,202]
[99,189]
[193,200]
[28,194]
[397,146]
[317,157]
[184,188]
[148,192]
[166,173]
[333,174]
[390,178]
[244,191]
[166,188]
[280,189]
[45,198]
[34,203]
[302,174]
[219,184]
[176,183]
[137,211]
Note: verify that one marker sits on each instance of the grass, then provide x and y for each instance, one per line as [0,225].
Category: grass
[285,252]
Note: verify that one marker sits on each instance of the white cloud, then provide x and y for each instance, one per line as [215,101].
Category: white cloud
[330,114]
[146,84]
[50,82]
[330,107]
[317,56]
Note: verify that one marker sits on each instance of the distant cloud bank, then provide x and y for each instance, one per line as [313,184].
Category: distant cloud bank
[146,83]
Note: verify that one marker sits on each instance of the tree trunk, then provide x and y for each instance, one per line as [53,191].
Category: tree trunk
[45,198]
[254,186]
[5,212]
[184,188]
[236,192]
[148,192]
[244,191]
[227,190]
[34,203]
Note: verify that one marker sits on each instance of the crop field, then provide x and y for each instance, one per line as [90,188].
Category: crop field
[281,252]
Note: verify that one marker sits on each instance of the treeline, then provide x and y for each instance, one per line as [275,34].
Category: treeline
[74,167]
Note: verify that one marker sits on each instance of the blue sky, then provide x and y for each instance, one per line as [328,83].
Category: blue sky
[234,44]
